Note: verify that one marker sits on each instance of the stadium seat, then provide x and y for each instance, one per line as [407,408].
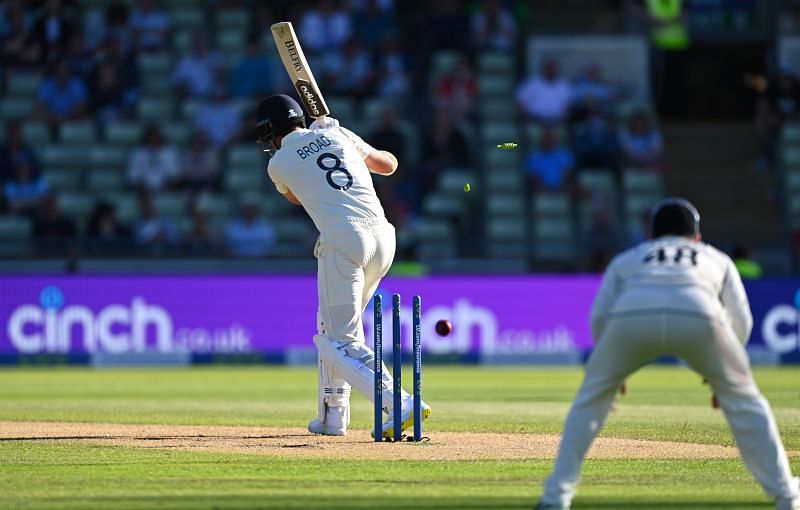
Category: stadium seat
[435,250]
[14,234]
[154,64]
[177,132]
[76,204]
[451,182]
[233,19]
[35,133]
[15,108]
[496,132]
[189,109]
[182,41]
[231,41]
[598,181]
[344,109]
[294,230]
[126,204]
[505,229]
[505,204]
[104,156]
[170,205]
[507,250]
[77,133]
[642,181]
[494,85]
[246,155]
[534,131]
[155,109]
[791,155]
[437,204]
[241,179]
[22,84]
[124,133]
[549,205]
[62,179]
[495,63]
[497,158]
[188,17]
[504,180]
[442,62]
[793,181]
[553,229]
[105,180]
[500,109]
[433,230]
[790,133]
[62,156]
[155,85]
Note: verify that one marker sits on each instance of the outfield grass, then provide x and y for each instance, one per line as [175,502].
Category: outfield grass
[662,404]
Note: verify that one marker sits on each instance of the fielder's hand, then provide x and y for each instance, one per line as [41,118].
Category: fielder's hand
[324,123]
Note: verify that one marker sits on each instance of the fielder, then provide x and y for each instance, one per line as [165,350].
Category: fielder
[326,169]
[673,295]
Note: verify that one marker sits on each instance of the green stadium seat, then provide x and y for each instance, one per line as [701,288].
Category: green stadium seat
[35,133]
[553,229]
[504,229]
[549,205]
[156,85]
[495,85]
[433,230]
[241,179]
[155,64]
[126,205]
[642,180]
[231,41]
[791,155]
[246,155]
[105,180]
[104,156]
[498,158]
[294,230]
[233,19]
[182,41]
[452,182]
[435,250]
[155,109]
[124,133]
[62,156]
[494,133]
[77,133]
[189,109]
[495,63]
[177,132]
[15,231]
[344,109]
[188,17]
[505,204]
[16,108]
[76,204]
[598,181]
[500,109]
[437,204]
[502,180]
[22,84]
[793,180]
[60,180]
[170,205]
[790,133]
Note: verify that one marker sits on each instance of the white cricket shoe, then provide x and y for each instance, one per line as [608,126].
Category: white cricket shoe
[549,506]
[335,423]
[792,503]
[406,418]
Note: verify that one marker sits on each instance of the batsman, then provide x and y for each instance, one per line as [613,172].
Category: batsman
[326,170]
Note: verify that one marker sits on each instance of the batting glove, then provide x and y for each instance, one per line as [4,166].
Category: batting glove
[324,123]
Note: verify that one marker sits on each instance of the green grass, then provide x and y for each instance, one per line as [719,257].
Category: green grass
[662,404]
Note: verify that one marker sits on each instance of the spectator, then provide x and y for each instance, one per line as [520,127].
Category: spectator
[15,152]
[745,262]
[443,148]
[104,229]
[250,235]
[152,229]
[456,91]
[392,69]
[25,191]
[62,96]
[78,56]
[371,23]
[590,86]
[349,72]
[219,119]
[109,23]
[126,69]
[200,164]
[254,73]
[150,26]
[53,30]
[780,103]
[107,99]
[20,51]
[595,140]
[551,167]
[493,28]
[153,166]
[325,27]
[201,236]
[197,72]
[447,27]
[390,137]
[640,231]
[52,230]
[545,97]
[642,145]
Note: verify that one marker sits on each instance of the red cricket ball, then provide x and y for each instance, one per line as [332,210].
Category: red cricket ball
[443,327]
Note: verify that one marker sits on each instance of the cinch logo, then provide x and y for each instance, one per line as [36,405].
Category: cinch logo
[139,326]
[781,327]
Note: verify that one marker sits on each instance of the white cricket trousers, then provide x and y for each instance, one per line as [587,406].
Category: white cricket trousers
[712,350]
[352,257]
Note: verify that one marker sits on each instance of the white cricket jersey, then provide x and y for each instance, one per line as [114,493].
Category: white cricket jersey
[325,170]
[673,274]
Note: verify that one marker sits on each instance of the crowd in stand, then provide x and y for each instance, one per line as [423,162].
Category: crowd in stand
[362,50]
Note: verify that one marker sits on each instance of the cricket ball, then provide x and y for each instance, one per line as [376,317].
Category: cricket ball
[443,327]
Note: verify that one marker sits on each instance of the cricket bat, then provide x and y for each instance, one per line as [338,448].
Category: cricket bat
[294,60]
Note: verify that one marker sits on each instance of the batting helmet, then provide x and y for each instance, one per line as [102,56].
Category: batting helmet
[674,217]
[277,115]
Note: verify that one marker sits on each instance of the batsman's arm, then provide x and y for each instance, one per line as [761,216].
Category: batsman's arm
[381,162]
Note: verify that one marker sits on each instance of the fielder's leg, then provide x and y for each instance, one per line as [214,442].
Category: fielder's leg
[722,359]
[623,349]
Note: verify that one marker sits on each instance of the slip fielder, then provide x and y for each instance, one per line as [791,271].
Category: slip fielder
[673,295]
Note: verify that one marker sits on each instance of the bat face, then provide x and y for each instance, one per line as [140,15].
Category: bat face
[296,65]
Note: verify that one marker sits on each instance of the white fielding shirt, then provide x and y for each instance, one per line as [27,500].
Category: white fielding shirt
[325,170]
[673,274]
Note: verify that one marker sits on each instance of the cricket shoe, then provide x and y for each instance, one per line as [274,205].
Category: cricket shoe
[406,419]
[335,423]
[792,503]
